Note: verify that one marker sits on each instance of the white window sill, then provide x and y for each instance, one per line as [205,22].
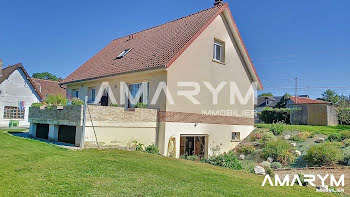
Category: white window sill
[219,62]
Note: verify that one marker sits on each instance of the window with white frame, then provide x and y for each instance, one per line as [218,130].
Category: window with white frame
[219,51]
[236,136]
[13,112]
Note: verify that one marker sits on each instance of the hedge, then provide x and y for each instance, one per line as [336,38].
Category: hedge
[269,115]
[344,116]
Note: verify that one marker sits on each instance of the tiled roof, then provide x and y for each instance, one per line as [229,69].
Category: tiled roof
[303,100]
[47,87]
[6,72]
[153,48]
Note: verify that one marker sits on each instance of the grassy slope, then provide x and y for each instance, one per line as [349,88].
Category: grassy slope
[29,168]
[326,130]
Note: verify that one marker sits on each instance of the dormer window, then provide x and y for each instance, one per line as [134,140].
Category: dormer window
[122,54]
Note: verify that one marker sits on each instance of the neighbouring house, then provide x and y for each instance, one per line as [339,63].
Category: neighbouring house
[48,87]
[266,101]
[203,47]
[17,93]
[294,101]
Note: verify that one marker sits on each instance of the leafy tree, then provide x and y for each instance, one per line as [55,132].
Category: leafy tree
[47,76]
[283,102]
[265,94]
[343,102]
[331,96]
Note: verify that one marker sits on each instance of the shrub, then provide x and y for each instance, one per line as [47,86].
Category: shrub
[279,150]
[346,153]
[192,157]
[246,149]
[36,105]
[266,164]
[113,105]
[302,180]
[346,142]
[302,136]
[152,149]
[138,146]
[268,137]
[55,100]
[269,115]
[344,116]
[345,135]
[227,160]
[256,135]
[248,166]
[277,128]
[276,165]
[76,102]
[269,171]
[141,105]
[334,137]
[328,153]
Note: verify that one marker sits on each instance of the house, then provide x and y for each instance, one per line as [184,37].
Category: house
[17,93]
[160,67]
[48,87]
[267,101]
[294,101]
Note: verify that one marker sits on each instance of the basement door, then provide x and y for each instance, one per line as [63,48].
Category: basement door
[194,145]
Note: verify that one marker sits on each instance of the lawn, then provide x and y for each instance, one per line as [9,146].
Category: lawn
[33,168]
[326,130]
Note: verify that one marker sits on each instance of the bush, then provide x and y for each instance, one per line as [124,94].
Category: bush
[346,152]
[55,100]
[256,135]
[345,135]
[328,153]
[138,146]
[344,116]
[334,137]
[268,137]
[269,171]
[276,165]
[152,149]
[248,166]
[227,160]
[302,180]
[141,105]
[76,102]
[346,142]
[269,115]
[246,149]
[279,150]
[36,105]
[302,136]
[277,128]
[266,164]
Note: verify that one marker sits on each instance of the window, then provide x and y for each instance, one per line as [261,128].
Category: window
[93,94]
[236,137]
[219,51]
[13,112]
[122,54]
[135,89]
[75,93]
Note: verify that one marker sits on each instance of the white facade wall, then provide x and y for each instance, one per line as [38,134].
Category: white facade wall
[13,90]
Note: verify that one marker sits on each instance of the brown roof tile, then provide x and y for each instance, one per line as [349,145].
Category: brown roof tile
[152,48]
[46,87]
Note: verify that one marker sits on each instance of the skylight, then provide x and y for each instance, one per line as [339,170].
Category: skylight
[122,54]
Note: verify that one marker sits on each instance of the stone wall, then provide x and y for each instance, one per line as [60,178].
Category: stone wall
[69,115]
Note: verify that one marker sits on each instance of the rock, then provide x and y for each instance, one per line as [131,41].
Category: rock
[259,170]
[270,159]
[298,152]
[320,140]
[294,144]
[241,157]
[286,137]
[322,188]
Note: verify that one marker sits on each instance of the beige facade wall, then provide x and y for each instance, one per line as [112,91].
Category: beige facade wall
[219,136]
[153,77]
[196,64]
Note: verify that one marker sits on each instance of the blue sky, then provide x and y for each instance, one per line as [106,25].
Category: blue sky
[309,39]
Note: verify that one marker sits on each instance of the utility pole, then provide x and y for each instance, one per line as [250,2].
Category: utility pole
[296,90]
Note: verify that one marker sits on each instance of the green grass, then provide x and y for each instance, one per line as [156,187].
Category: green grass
[326,130]
[33,168]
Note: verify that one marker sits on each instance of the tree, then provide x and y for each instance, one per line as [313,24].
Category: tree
[331,96]
[265,94]
[283,102]
[46,76]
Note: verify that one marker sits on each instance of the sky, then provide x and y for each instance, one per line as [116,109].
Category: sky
[309,39]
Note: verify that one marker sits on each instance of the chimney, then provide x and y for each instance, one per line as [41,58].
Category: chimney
[218,2]
[1,67]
